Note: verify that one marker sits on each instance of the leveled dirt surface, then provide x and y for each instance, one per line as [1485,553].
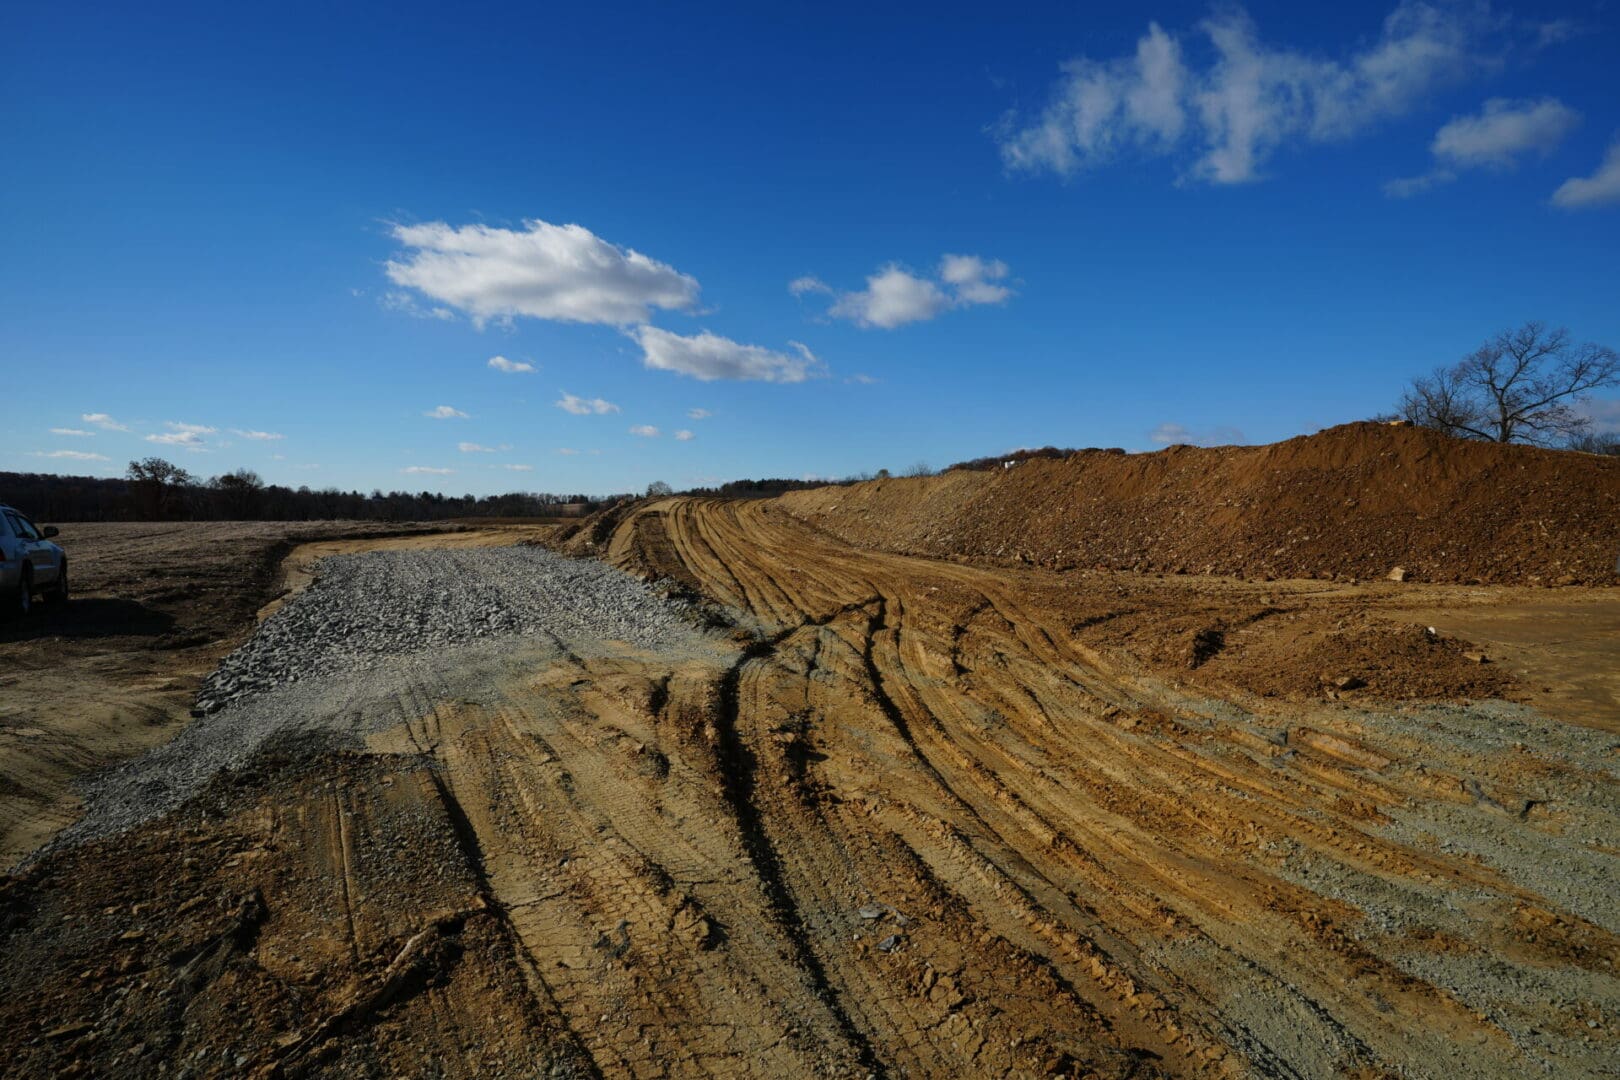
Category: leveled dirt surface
[154,608]
[904,818]
[1353,501]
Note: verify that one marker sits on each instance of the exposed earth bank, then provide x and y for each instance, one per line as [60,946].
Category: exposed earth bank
[1353,501]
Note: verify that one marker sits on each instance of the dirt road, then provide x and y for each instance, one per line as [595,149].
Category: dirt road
[898,819]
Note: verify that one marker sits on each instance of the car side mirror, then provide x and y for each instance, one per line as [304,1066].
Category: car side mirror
[50,531]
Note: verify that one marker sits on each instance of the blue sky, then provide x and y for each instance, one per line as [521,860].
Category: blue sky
[818,239]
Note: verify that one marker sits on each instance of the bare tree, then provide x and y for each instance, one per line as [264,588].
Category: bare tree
[1520,386]
[658,489]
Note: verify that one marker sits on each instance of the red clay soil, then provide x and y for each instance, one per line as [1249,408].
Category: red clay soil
[1354,501]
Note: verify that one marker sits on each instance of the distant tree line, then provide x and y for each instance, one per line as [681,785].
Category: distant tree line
[157,490]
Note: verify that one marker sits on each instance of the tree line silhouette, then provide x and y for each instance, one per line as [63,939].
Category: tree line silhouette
[157,490]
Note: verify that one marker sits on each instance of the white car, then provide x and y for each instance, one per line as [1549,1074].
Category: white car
[29,563]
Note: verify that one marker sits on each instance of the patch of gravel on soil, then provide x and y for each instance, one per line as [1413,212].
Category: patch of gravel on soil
[393,603]
[378,638]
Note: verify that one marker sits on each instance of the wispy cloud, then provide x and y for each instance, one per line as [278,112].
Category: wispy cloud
[708,357]
[185,436]
[645,431]
[102,420]
[698,414]
[406,304]
[894,296]
[518,468]
[862,379]
[444,412]
[1251,99]
[1599,189]
[571,403]
[69,455]
[426,470]
[803,286]
[684,436]
[542,271]
[511,367]
[1496,137]
[567,451]
[258,436]
[1171,434]
[76,432]
[190,429]
[474,448]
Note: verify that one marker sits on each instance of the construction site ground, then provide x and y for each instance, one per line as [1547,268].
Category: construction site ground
[877,814]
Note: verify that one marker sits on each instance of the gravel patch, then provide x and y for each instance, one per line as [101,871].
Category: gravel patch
[396,603]
[377,639]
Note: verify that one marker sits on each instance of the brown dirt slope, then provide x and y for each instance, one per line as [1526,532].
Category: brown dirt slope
[1356,500]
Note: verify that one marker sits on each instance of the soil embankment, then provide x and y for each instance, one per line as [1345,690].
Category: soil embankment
[1355,501]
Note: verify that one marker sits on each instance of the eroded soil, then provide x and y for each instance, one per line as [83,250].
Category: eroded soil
[905,818]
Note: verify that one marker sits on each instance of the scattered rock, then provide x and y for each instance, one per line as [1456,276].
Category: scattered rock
[892,942]
[872,911]
[1349,682]
[1476,657]
[1398,574]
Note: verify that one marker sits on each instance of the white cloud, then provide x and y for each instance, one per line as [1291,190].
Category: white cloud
[1494,138]
[1602,413]
[1171,434]
[698,414]
[974,279]
[1407,186]
[444,412]
[1600,188]
[579,406]
[102,420]
[190,429]
[474,448]
[646,431]
[894,296]
[543,271]
[73,431]
[518,468]
[511,367]
[187,439]
[862,380]
[567,451]
[70,455]
[683,436]
[258,436]
[800,286]
[1503,131]
[425,470]
[1251,99]
[707,357]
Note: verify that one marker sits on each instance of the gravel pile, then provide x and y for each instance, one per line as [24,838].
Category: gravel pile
[396,603]
[375,641]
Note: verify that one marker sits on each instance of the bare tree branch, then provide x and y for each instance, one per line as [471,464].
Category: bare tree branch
[1520,386]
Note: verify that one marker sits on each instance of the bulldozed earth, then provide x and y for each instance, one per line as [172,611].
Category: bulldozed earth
[826,785]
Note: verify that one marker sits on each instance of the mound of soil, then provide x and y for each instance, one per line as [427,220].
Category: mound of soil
[1353,501]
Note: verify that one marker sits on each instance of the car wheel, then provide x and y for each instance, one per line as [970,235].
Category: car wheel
[58,592]
[24,600]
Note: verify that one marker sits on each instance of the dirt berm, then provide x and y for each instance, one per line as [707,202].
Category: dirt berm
[1357,501]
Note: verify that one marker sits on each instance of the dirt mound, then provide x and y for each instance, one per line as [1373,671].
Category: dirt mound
[1357,501]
